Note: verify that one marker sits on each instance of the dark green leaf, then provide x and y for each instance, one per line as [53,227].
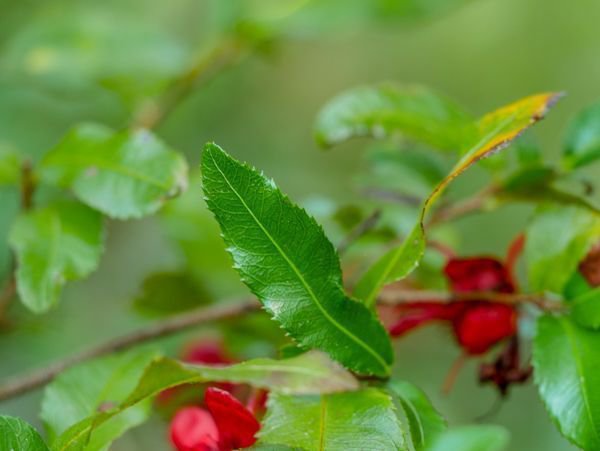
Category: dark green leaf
[566,362]
[425,423]
[585,309]
[582,141]
[311,372]
[387,109]
[166,293]
[124,175]
[285,258]
[94,386]
[472,438]
[16,435]
[361,420]
[54,244]
[495,131]
[557,240]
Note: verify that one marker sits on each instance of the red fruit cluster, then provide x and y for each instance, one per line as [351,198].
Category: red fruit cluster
[477,324]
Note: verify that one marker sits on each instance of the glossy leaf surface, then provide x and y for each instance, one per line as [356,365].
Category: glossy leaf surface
[54,244]
[124,175]
[364,419]
[566,361]
[585,309]
[287,261]
[472,438]
[16,435]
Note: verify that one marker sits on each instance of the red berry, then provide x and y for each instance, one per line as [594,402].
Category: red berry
[483,324]
[478,274]
[193,429]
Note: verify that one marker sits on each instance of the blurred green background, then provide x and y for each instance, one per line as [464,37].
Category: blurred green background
[63,62]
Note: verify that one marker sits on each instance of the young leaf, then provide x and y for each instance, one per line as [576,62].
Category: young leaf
[289,264]
[425,423]
[386,109]
[472,438]
[558,238]
[54,244]
[124,175]
[495,131]
[364,420]
[311,372]
[582,141]
[17,435]
[92,387]
[566,361]
[585,309]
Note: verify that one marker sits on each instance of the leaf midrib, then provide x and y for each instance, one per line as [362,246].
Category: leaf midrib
[301,277]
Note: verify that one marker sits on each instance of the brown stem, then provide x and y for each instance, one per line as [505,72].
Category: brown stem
[169,326]
[463,208]
[359,231]
[392,296]
[450,379]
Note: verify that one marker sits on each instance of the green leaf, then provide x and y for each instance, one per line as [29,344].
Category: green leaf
[585,309]
[472,438]
[582,141]
[94,386]
[167,293]
[566,362]
[127,174]
[495,131]
[10,167]
[54,244]
[17,435]
[387,109]
[425,423]
[558,238]
[311,372]
[287,261]
[362,420]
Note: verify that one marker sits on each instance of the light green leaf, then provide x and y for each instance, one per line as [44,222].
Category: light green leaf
[166,293]
[17,435]
[585,309]
[311,372]
[94,386]
[387,109]
[361,420]
[425,423]
[495,131]
[582,141]
[54,244]
[472,438]
[558,238]
[566,362]
[287,261]
[124,175]
[10,166]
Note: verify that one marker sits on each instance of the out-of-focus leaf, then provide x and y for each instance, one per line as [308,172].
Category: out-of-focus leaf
[166,293]
[17,435]
[496,130]
[10,165]
[424,422]
[387,109]
[364,419]
[96,386]
[472,438]
[82,45]
[311,372]
[124,175]
[582,141]
[54,244]
[585,309]
[558,238]
[285,258]
[566,361]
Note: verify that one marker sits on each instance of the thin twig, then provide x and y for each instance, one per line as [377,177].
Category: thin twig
[392,296]
[465,207]
[392,196]
[169,326]
[358,231]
